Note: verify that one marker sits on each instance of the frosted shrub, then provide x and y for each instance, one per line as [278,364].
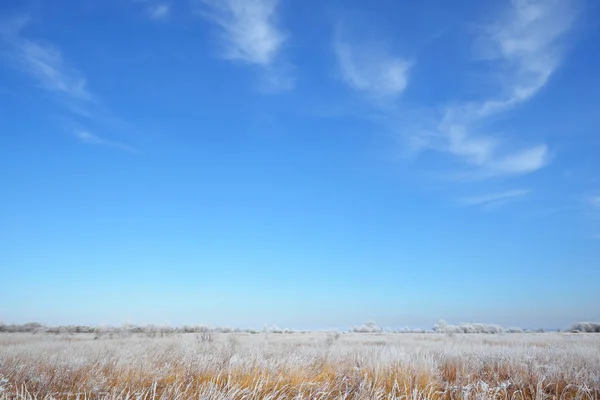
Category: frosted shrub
[443,327]
[368,327]
[587,327]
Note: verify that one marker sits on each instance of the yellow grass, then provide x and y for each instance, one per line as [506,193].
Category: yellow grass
[547,366]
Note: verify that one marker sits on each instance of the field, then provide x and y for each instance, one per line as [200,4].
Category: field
[300,366]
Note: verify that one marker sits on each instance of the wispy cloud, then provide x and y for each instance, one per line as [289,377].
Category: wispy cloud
[526,45]
[371,70]
[250,34]
[595,201]
[523,48]
[44,63]
[249,29]
[486,155]
[158,12]
[89,138]
[495,200]
[528,41]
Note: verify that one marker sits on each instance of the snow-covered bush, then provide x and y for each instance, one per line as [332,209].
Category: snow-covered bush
[586,327]
[368,327]
[443,327]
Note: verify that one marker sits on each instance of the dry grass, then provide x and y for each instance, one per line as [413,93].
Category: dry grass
[315,366]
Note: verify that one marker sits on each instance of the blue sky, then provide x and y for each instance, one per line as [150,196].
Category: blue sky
[300,163]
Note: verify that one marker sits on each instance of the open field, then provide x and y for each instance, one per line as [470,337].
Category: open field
[301,366]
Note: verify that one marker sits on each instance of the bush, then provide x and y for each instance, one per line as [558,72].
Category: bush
[443,327]
[369,327]
[585,327]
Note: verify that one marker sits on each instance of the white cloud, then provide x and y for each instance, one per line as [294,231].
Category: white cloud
[375,72]
[528,43]
[595,201]
[484,153]
[250,34]
[476,150]
[494,200]
[159,12]
[521,162]
[527,47]
[249,29]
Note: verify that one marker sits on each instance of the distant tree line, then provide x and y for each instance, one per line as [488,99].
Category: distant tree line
[470,328]
[368,327]
[127,329]
[443,327]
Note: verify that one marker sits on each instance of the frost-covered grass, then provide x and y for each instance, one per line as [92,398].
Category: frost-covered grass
[301,366]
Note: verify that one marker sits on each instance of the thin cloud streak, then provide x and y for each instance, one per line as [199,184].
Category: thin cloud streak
[89,138]
[494,200]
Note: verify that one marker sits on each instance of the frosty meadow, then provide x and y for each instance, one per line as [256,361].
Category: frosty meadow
[211,364]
